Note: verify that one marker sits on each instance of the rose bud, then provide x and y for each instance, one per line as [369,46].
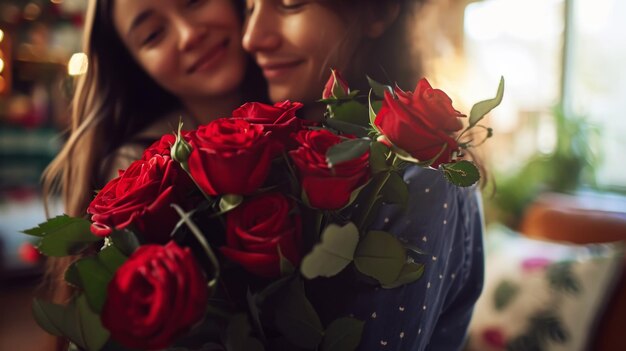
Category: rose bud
[181,148]
[336,86]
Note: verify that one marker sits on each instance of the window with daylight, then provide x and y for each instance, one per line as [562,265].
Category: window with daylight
[552,53]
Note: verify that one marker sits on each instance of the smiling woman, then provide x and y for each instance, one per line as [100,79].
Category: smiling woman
[190,48]
[150,62]
[296,43]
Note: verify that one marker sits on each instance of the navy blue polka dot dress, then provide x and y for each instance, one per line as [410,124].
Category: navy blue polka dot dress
[433,313]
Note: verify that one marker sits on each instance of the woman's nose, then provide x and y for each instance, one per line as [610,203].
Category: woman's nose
[190,34]
[262,32]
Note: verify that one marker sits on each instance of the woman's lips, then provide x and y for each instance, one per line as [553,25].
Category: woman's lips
[274,71]
[210,59]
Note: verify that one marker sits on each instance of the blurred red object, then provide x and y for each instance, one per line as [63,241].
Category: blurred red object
[29,254]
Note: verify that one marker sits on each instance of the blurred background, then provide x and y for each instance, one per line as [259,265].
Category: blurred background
[555,165]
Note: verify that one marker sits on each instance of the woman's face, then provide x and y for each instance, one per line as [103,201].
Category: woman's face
[191,48]
[296,42]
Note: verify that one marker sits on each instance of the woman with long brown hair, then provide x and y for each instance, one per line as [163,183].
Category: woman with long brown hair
[296,43]
[151,62]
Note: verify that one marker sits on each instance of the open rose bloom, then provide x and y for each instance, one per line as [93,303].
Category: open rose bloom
[212,238]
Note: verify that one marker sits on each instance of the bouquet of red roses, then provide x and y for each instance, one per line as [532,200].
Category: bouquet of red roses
[211,240]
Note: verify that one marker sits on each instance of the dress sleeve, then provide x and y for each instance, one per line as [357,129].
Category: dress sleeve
[432,313]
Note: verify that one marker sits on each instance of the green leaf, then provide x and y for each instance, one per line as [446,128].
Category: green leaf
[59,320]
[343,334]
[346,127]
[410,272]
[94,334]
[463,173]
[238,335]
[112,258]
[65,236]
[52,225]
[350,112]
[71,276]
[126,241]
[273,288]
[395,190]
[381,256]
[480,109]
[333,253]
[229,202]
[378,157]
[95,278]
[286,267]
[296,318]
[95,273]
[255,313]
[373,108]
[505,292]
[49,316]
[379,88]
[346,151]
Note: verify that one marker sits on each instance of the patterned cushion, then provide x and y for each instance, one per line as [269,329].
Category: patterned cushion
[541,295]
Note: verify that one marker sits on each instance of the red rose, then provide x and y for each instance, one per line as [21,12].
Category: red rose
[141,196]
[155,297]
[255,231]
[327,188]
[336,86]
[230,156]
[420,123]
[279,119]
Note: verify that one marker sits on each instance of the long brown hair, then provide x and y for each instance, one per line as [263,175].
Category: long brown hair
[391,58]
[113,101]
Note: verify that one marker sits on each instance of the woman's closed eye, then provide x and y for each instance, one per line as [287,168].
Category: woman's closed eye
[293,4]
[194,3]
[152,37]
